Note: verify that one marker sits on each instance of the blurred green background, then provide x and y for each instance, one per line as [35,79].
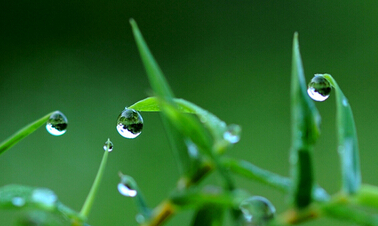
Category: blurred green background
[230,57]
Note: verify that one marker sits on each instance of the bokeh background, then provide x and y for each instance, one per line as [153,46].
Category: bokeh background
[230,57]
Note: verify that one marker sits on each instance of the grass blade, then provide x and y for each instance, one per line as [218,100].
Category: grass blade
[305,131]
[348,144]
[24,132]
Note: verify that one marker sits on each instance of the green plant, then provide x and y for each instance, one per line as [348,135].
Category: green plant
[199,141]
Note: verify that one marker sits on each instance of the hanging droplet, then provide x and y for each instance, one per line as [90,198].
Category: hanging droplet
[57,124]
[18,201]
[129,123]
[257,210]
[108,142]
[319,88]
[125,190]
[232,133]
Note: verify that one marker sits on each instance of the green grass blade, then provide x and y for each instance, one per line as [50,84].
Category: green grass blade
[22,133]
[305,131]
[155,75]
[348,144]
[164,92]
[253,172]
[215,126]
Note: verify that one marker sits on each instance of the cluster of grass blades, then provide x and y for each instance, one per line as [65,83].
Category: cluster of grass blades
[200,141]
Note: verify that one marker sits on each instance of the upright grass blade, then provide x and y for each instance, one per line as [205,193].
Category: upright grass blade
[305,131]
[348,144]
[163,92]
[24,132]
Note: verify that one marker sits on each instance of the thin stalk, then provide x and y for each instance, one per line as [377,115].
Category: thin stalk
[22,133]
[96,184]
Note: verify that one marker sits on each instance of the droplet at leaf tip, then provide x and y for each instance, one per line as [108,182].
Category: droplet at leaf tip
[129,123]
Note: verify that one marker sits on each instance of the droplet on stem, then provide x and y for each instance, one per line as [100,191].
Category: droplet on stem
[125,190]
[319,88]
[18,201]
[57,124]
[108,142]
[257,210]
[129,123]
[232,133]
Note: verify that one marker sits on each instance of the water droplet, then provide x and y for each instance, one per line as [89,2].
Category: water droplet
[319,88]
[232,133]
[140,219]
[44,196]
[18,201]
[57,124]
[129,123]
[125,190]
[345,102]
[257,210]
[108,142]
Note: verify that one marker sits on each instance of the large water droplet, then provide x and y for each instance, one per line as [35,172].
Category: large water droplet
[44,196]
[257,210]
[125,190]
[319,88]
[129,123]
[18,201]
[232,133]
[57,124]
[108,142]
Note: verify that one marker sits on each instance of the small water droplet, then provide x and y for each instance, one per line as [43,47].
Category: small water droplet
[44,196]
[129,123]
[125,190]
[257,210]
[140,219]
[319,88]
[108,142]
[345,102]
[232,133]
[18,201]
[57,124]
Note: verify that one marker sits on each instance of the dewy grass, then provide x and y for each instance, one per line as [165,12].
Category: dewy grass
[200,142]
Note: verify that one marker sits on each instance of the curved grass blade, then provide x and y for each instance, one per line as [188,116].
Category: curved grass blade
[348,144]
[30,198]
[22,133]
[305,131]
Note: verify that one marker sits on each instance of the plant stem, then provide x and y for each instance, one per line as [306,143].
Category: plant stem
[96,184]
[22,133]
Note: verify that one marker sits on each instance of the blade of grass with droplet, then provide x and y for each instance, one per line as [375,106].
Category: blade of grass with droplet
[348,143]
[22,133]
[215,126]
[305,131]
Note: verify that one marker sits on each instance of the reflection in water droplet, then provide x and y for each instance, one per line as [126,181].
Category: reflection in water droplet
[18,201]
[129,123]
[319,88]
[125,190]
[232,134]
[257,210]
[44,196]
[110,145]
[57,124]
